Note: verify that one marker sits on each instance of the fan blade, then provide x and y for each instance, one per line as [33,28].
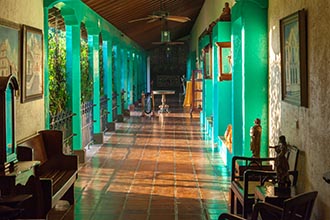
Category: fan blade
[175,42]
[181,19]
[169,43]
[139,19]
[152,18]
[158,43]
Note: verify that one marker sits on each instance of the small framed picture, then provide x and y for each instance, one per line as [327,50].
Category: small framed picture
[32,74]
[225,61]
[293,36]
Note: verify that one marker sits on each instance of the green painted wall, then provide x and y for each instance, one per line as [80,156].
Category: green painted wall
[250,85]
[221,90]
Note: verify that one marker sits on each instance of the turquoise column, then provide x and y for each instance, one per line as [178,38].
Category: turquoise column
[223,102]
[46,71]
[124,77]
[215,63]
[135,77]
[118,80]
[94,69]
[250,85]
[107,66]
[74,81]
[129,78]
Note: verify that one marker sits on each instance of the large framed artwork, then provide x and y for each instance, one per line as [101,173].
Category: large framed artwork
[32,74]
[225,61]
[9,48]
[293,38]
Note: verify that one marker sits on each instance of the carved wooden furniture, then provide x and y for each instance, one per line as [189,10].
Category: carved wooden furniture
[297,208]
[197,91]
[248,173]
[163,107]
[8,88]
[269,194]
[57,171]
[18,180]
[17,186]
[243,184]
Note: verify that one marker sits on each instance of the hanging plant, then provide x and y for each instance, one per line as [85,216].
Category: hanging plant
[58,95]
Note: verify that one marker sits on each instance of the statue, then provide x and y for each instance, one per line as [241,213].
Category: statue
[282,164]
[183,84]
[225,16]
[255,133]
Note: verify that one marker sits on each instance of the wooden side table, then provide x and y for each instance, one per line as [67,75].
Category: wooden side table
[267,194]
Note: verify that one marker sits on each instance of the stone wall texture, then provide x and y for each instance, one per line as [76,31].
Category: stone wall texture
[307,128]
[29,115]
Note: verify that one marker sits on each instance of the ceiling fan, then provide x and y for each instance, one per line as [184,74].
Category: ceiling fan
[162,15]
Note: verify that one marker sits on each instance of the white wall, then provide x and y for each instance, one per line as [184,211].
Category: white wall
[29,115]
[210,11]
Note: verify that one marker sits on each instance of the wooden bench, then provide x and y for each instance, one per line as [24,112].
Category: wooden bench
[57,172]
[248,172]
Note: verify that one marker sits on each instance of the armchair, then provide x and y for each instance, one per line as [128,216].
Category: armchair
[297,208]
[247,173]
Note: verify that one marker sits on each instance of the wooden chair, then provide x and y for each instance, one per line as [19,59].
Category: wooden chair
[248,172]
[297,208]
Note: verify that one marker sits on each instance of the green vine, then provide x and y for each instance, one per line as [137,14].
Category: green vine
[101,71]
[86,79]
[58,95]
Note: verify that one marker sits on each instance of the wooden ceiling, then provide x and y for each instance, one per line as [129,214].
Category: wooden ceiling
[120,12]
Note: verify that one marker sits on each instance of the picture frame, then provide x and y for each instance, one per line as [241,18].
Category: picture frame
[207,61]
[225,61]
[32,71]
[10,40]
[293,42]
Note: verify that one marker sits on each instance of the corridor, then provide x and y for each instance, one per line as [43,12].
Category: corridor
[153,168]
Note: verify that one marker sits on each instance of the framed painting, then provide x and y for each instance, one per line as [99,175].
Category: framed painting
[207,61]
[225,61]
[32,74]
[10,37]
[293,37]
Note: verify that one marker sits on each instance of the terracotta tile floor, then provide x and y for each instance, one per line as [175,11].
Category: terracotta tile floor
[158,168]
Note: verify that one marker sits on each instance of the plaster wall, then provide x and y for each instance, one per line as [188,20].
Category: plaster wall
[307,128]
[29,115]
[210,11]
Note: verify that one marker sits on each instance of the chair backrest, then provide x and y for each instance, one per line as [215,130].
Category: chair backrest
[299,207]
[292,156]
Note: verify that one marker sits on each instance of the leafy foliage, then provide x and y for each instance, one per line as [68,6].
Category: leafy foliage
[101,71]
[58,95]
[86,78]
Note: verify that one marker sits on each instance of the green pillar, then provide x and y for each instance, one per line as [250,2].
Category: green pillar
[107,66]
[94,68]
[128,79]
[124,77]
[250,73]
[118,81]
[74,81]
[46,70]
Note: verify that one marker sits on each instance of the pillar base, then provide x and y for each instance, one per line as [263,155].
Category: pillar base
[81,155]
[98,138]
[111,126]
[120,118]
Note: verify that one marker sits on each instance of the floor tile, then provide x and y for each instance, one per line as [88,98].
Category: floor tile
[158,168]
